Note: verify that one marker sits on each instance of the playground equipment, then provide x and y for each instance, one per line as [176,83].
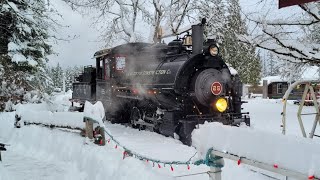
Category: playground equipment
[308,89]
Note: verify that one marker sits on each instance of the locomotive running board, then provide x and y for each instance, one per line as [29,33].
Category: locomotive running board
[130,97]
[144,124]
[225,118]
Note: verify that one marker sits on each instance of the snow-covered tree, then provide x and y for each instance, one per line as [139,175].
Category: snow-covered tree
[273,65]
[27,35]
[57,76]
[168,17]
[128,20]
[241,56]
[116,19]
[215,13]
[285,37]
[292,71]
[71,73]
[263,62]
[24,46]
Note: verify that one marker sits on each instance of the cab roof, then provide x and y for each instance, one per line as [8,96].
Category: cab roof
[102,52]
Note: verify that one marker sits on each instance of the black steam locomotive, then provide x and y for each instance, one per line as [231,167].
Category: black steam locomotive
[166,88]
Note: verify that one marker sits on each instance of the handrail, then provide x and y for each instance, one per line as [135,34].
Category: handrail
[272,168]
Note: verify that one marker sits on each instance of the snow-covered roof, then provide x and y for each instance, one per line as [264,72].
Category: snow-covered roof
[275,147]
[311,73]
[271,79]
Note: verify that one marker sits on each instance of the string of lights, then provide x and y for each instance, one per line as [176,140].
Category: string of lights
[209,159]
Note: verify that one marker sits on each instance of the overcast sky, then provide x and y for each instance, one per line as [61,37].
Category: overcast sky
[80,50]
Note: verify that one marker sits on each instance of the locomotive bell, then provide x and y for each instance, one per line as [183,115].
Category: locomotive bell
[187,41]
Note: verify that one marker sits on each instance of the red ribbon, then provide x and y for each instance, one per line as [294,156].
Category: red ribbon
[311,177]
[124,154]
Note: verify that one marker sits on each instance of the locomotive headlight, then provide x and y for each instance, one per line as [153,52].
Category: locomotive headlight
[221,104]
[213,50]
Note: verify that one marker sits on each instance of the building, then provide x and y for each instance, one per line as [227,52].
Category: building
[277,85]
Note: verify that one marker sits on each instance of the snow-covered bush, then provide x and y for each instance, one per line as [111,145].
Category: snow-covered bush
[9,106]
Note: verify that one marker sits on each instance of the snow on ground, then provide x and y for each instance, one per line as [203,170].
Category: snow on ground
[71,119]
[65,156]
[266,116]
[269,148]
[94,112]
[58,154]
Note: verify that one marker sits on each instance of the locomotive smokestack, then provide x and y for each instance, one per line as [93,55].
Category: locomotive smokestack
[197,38]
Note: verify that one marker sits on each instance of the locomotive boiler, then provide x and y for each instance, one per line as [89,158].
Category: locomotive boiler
[168,88]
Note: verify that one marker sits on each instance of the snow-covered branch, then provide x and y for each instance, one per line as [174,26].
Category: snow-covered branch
[287,37]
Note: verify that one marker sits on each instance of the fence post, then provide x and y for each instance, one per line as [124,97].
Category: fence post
[2,148]
[215,167]
[89,128]
[215,173]
[265,89]
[103,136]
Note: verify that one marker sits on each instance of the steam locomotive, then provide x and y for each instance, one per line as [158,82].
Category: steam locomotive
[169,89]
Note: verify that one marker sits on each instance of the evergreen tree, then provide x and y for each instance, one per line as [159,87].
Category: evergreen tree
[71,73]
[57,76]
[263,63]
[241,56]
[214,11]
[69,78]
[24,45]
[273,65]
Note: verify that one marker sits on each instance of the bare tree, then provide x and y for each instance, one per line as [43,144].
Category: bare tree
[117,19]
[286,37]
[123,19]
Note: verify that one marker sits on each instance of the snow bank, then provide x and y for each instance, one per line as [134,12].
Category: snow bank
[6,126]
[59,102]
[51,113]
[151,145]
[290,152]
[4,173]
[38,113]
[94,112]
[23,108]
[70,119]
[94,162]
